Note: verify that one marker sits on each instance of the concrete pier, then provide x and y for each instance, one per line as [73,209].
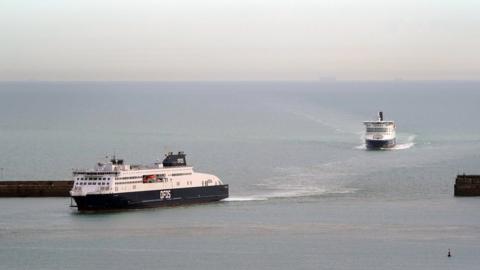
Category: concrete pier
[467,185]
[38,188]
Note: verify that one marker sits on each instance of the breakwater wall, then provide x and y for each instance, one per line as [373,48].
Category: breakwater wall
[58,188]
[467,185]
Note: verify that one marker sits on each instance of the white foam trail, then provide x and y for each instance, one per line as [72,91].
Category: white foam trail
[361,147]
[307,193]
[339,126]
[402,146]
[291,193]
[409,144]
[243,199]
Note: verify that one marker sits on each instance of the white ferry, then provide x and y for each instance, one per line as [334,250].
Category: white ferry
[115,185]
[380,134]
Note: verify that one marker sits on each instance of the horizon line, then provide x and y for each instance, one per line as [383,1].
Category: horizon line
[252,80]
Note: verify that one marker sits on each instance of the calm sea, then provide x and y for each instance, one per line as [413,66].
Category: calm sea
[304,192]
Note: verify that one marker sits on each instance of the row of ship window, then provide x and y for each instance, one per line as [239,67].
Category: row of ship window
[125,178]
[130,177]
[94,178]
[129,182]
[90,184]
[179,174]
[95,173]
[377,129]
[103,184]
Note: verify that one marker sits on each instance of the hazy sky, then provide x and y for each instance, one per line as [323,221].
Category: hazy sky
[239,40]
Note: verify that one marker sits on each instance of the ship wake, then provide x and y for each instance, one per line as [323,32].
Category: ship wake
[407,145]
[244,199]
[297,182]
[297,192]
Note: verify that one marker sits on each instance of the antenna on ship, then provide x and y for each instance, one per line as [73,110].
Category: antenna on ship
[114,157]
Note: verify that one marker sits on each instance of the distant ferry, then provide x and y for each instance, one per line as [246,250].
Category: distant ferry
[380,134]
[116,185]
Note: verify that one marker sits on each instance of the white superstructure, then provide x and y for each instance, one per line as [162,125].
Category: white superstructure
[116,177]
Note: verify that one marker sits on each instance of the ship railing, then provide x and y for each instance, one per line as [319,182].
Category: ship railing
[92,172]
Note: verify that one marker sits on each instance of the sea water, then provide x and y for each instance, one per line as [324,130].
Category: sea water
[304,193]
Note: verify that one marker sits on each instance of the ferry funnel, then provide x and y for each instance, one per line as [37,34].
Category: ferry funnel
[380,116]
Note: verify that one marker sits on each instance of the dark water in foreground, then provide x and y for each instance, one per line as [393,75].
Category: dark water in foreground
[304,192]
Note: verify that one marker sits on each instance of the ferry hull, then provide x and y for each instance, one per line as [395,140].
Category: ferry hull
[151,198]
[380,144]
